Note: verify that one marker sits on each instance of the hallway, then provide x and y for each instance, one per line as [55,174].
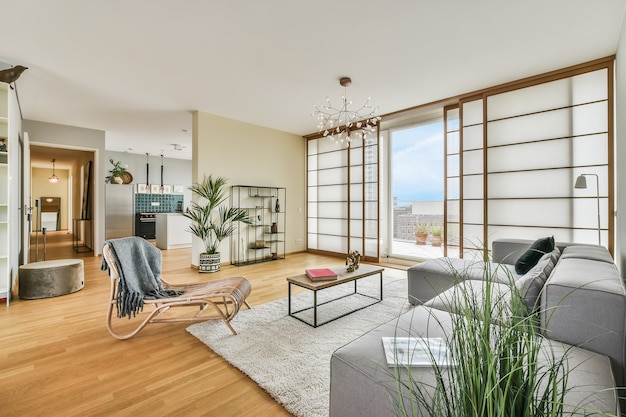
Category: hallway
[56,245]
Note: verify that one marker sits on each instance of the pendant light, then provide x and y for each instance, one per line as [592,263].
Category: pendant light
[53,179]
[161,172]
[343,124]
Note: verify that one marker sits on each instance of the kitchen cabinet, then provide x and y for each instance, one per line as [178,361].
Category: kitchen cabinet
[172,231]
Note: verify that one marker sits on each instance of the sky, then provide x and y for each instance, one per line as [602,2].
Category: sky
[417,163]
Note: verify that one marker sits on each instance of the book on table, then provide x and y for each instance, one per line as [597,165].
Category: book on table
[416,351]
[321,274]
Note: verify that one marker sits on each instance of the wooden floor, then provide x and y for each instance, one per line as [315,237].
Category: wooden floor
[58,359]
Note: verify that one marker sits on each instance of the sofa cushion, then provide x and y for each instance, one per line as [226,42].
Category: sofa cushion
[591,252]
[531,283]
[427,279]
[361,383]
[472,293]
[584,304]
[530,258]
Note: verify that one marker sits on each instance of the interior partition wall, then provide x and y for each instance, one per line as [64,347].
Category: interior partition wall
[513,155]
[343,197]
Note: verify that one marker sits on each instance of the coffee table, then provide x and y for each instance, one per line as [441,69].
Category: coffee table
[343,277]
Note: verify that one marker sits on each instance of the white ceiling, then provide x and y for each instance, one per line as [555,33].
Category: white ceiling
[137,69]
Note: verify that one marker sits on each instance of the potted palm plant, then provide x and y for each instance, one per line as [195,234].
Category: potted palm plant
[212,220]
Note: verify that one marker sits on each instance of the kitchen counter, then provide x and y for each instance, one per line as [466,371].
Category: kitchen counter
[172,231]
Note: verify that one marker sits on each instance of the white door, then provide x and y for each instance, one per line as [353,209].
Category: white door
[27,209]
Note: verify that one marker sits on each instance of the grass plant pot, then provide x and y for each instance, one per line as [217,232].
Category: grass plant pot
[209,262]
[420,238]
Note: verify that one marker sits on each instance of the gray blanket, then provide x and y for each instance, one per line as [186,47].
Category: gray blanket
[139,264]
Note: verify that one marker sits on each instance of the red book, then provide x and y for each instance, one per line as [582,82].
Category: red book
[323,274]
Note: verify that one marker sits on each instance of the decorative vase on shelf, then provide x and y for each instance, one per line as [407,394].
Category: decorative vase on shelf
[274,228]
[277,206]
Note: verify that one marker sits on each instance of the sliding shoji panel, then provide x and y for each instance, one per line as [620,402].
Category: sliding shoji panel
[327,196]
[364,198]
[540,138]
[343,197]
[472,180]
[452,184]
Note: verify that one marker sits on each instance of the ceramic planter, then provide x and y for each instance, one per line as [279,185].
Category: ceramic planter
[209,262]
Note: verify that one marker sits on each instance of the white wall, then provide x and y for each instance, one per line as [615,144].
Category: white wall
[81,139]
[248,154]
[175,171]
[620,150]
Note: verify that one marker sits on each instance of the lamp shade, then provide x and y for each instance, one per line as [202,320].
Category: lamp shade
[581,182]
[53,179]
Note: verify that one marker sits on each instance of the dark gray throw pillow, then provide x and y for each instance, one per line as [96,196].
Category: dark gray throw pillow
[533,254]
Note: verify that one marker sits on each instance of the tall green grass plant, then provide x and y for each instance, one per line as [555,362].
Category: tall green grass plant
[495,347]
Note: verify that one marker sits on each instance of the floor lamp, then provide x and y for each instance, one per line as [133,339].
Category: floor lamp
[581,182]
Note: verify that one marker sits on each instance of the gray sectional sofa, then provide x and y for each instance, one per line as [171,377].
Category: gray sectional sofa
[576,291]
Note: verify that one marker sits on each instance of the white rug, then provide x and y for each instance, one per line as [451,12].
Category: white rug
[290,359]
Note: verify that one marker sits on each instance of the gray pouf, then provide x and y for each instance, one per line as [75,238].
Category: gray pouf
[51,278]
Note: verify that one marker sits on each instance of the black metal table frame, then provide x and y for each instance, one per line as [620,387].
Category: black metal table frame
[316,305]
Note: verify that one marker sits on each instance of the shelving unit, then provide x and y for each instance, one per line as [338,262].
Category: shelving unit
[5,276]
[82,227]
[5,217]
[264,240]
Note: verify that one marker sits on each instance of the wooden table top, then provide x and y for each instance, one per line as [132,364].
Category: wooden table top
[342,277]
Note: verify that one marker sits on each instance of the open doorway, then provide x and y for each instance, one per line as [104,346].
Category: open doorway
[56,202]
[417,185]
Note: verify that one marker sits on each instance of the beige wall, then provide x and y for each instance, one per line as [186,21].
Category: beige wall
[40,187]
[248,154]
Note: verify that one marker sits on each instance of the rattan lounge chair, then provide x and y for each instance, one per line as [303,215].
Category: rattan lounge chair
[223,297]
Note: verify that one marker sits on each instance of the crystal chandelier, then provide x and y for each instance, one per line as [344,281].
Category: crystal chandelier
[343,125]
[53,179]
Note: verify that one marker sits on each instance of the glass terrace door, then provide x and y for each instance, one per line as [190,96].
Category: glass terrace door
[417,190]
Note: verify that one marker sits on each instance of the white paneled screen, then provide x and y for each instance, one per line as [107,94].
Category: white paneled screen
[342,195]
[512,159]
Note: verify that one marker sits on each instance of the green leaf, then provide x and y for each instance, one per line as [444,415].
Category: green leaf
[212,220]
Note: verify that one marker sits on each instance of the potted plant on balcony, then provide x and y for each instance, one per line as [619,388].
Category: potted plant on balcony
[117,173]
[421,233]
[212,220]
[437,235]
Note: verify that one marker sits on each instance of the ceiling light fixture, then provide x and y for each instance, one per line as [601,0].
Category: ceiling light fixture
[343,125]
[53,179]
